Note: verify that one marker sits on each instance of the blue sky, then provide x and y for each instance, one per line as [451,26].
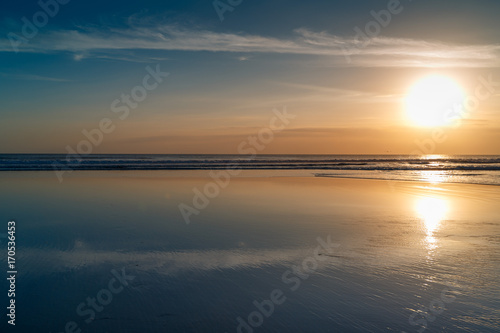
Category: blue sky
[226,76]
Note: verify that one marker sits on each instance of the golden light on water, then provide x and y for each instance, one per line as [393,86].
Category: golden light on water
[434,156]
[432,211]
[433,177]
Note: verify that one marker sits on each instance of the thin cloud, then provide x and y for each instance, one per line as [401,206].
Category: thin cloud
[33,77]
[119,57]
[377,52]
[357,96]
[329,90]
[244,58]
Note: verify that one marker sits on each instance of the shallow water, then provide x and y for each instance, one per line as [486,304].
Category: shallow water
[465,169]
[406,255]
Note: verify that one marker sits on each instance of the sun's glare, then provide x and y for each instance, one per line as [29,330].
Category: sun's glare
[434,101]
[431,210]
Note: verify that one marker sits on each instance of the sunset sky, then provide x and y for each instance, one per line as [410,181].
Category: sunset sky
[226,76]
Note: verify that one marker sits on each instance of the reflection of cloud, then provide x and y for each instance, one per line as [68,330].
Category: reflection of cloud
[162,262]
[381,51]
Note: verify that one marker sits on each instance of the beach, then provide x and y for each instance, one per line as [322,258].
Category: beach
[110,251]
[250,166]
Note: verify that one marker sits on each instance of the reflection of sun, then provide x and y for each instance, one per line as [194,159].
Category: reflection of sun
[433,177]
[433,157]
[432,211]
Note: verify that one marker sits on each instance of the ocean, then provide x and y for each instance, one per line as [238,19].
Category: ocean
[280,247]
[466,169]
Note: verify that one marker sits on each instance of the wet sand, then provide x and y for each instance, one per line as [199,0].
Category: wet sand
[406,255]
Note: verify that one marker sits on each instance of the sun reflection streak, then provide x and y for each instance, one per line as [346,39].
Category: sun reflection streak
[432,211]
[433,177]
[433,157]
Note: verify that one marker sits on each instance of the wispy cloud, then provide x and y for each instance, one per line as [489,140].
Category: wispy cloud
[116,55]
[380,51]
[342,93]
[243,58]
[33,77]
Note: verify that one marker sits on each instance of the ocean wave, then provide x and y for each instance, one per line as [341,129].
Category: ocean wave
[13,162]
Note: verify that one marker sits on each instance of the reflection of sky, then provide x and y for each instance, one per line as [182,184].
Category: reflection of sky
[236,251]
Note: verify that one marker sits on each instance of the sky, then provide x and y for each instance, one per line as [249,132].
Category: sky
[342,69]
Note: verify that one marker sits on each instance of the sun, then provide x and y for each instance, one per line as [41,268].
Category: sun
[434,101]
